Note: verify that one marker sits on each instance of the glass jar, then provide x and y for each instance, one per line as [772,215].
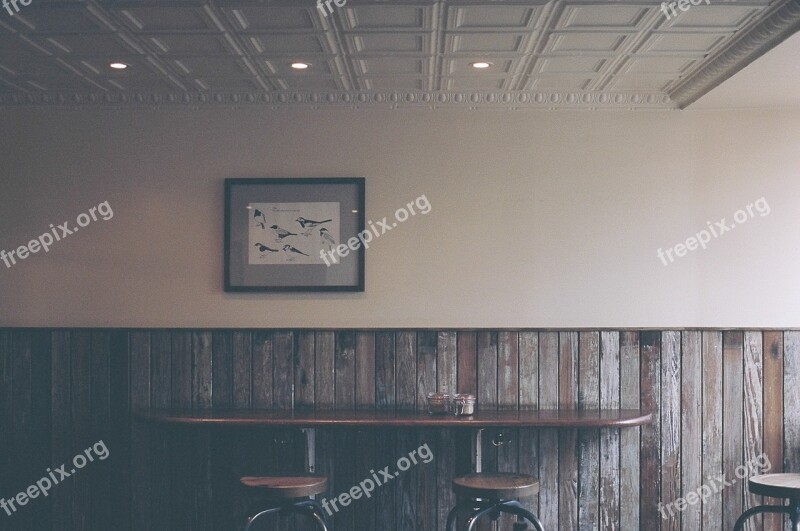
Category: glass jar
[439,403]
[464,404]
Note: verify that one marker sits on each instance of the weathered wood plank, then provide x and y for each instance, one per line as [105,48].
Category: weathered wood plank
[406,355]
[8,481]
[529,399]
[568,439]
[650,449]
[487,398]
[444,462]
[385,398]
[629,438]
[80,361]
[22,435]
[365,399]
[609,439]
[692,425]
[283,369]
[181,464]
[712,426]
[508,399]
[141,434]
[304,367]
[671,423]
[424,478]
[163,441]
[98,473]
[589,440]
[117,466]
[202,515]
[242,369]
[406,359]
[791,397]
[548,439]
[753,417]
[324,372]
[467,349]
[733,423]
[773,414]
[365,370]
[426,367]
[262,370]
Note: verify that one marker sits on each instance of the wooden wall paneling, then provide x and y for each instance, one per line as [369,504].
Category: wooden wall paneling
[753,418]
[385,397]
[142,435]
[467,353]
[116,467]
[98,472]
[182,461]
[21,404]
[589,440]
[40,425]
[773,414]
[202,515]
[365,399]
[568,439]
[650,449]
[733,423]
[80,361]
[444,463]
[529,399]
[629,384]
[344,470]
[247,446]
[423,476]
[671,423]
[691,426]
[8,481]
[223,475]
[163,442]
[406,355]
[712,427]
[324,398]
[487,399]
[285,441]
[791,397]
[609,439]
[242,370]
[61,429]
[548,439]
[508,399]
[262,370]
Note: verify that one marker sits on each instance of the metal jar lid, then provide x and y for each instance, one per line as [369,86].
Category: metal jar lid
[464,398]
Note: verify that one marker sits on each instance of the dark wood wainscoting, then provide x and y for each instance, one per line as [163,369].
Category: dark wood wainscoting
[721,398]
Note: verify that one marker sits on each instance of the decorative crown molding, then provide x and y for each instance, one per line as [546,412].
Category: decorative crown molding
[770,32]
[387,99]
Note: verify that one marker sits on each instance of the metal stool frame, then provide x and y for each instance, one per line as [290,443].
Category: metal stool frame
[492,508]
[304,506]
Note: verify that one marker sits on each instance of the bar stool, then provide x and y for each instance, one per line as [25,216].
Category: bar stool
[492,494]
[290,494]
[785,486]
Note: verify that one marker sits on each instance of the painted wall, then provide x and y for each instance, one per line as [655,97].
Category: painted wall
[538,219]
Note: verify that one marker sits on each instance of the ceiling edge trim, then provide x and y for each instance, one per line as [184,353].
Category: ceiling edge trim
[386,99]
[773,30]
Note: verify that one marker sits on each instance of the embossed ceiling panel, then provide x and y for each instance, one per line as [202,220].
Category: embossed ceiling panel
[551,54]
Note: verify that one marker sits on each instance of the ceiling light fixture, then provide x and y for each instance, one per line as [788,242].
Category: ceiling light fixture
[300,66]
[480,65]
[118,66]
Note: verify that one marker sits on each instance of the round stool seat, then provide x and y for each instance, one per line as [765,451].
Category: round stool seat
[288,487]
[496,486]
[776,485]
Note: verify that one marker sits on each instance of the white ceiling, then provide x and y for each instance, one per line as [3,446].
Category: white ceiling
[552,54]
[772,81]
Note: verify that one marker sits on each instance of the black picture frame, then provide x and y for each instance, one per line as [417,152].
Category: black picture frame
[284,259]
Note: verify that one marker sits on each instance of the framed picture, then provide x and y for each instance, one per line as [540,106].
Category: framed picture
[293,234]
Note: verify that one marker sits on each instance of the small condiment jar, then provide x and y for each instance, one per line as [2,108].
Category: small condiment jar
[464,404]
[439,403]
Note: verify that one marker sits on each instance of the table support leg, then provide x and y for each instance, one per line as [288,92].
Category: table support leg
[477,450]
[311,449]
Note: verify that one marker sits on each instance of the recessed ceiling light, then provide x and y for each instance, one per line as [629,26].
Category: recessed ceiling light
[300,66]
[481,65]
[118,66]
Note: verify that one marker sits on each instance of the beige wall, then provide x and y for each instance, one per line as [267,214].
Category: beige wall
[539,219]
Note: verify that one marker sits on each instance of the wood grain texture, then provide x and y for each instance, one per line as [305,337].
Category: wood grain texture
[609,439]
[773,413]
[568,440]
[589,505]
[650,449]
[753,417]
[712,426]
[629,439]
[691,426]
[529,400]
[791,397]
[671,423]
[732,422]
[548,439]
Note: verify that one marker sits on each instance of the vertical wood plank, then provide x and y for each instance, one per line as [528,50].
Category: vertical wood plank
[406,356]
[222,475]
[262,370]
[385,396]
[426,366]
[181,464]
[406,353]
[650,450]
[118,464]
[385,382]
[609,439]
[7,480]
[568,439]
[791,397]
[692,425]
[202,515]
[140,434]
[325,382]
[80,361]
[424,477]
[163,442]
[283,370]
[22,435]
[445,457]
[548,439]
[41,381]
[589,440]
[753,417]
[98,474]
[242,369]
[529,400]
[487,397]
[304,367]
[344,476]
[712,426]
[733,423]
[773,414]
[508,399]
[629,438]
[365,399]
[467,350]
[671,423]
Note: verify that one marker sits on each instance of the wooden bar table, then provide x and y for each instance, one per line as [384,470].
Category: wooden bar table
[310,420]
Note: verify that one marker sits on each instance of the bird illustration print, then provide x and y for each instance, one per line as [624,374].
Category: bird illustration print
[281,233]
[289,249]
[327,239]
[262,222]
[263,249]
[309,224]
